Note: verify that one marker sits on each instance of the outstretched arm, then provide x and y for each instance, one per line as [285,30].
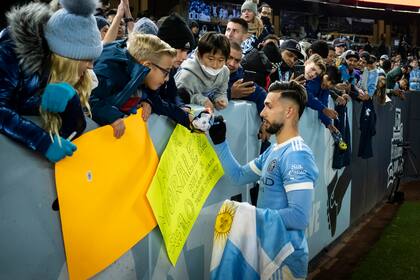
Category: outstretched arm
[238,174]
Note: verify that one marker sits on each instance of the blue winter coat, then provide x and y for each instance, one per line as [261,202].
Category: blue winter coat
[119,77]
[318,99]
[20,94]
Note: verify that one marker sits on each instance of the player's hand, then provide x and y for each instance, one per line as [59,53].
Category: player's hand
[217,131]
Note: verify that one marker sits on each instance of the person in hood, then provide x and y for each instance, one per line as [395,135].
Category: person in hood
[204,78]
[52,79]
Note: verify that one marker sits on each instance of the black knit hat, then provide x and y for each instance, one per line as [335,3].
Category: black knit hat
[175,31]
[101,22]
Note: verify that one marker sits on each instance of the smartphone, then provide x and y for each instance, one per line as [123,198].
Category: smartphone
[249,76]
[299,70]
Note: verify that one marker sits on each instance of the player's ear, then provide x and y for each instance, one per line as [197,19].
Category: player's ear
[290,111]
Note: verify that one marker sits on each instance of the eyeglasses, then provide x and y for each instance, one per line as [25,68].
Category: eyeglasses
[164,71]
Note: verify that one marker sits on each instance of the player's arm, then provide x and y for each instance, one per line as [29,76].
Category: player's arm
[296,216]
[299,177]
[238,174]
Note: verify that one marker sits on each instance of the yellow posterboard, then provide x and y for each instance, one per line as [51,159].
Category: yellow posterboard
[102,196]
[188,170]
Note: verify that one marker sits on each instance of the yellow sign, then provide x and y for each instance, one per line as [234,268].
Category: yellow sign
[102,196]
[188,170]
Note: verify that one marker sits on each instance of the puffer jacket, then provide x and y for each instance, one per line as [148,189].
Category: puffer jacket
[120,76]
[23,63]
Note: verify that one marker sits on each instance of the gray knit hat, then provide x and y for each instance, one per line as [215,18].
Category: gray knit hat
[145,26]
[249,5]
[72,31]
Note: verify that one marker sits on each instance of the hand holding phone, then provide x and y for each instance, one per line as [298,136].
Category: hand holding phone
[249,76]
[299,70]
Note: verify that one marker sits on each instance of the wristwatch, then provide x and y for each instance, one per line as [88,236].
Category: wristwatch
[128,19]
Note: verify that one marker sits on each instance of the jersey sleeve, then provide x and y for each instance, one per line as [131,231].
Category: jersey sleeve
[300,171]
[299,176]
[238,174]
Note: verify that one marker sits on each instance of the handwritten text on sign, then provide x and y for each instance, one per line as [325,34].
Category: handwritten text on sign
[187,172]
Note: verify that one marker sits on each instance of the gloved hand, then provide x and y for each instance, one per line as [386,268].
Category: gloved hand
[56,96]
[217,131]
[56,152]
[265,20]
[202,122]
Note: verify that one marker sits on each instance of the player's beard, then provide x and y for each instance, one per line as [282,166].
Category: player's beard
[274,128]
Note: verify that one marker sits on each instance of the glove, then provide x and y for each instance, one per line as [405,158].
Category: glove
[56,96]
[265,20]
[218,130]
[57,152]
[202,122]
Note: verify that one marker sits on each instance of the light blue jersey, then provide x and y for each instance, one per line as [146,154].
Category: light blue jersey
[287,173]
[283,168]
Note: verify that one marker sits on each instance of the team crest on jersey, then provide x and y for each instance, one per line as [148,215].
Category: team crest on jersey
[272,166]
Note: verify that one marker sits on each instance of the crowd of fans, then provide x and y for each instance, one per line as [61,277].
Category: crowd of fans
[104,64]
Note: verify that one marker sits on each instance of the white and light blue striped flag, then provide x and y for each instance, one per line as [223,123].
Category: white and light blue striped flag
[250,243]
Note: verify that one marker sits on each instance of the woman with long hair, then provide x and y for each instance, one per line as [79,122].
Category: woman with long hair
[45,58]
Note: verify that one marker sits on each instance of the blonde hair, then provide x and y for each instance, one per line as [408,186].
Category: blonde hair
[66,70]
[148,47]
[318,61]
[256,26]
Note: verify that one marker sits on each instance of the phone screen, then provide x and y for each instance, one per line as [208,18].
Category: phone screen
[249,76]
[299,70]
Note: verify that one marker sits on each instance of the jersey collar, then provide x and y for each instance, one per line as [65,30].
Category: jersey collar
[281,145]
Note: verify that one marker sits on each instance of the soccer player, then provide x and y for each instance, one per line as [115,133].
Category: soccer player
[286,171]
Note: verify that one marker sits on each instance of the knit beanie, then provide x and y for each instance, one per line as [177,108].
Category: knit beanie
[175,31]
[145,26]
[101,22]
[250,5]
[72,31]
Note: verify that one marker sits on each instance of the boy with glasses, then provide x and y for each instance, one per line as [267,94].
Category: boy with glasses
[124,74]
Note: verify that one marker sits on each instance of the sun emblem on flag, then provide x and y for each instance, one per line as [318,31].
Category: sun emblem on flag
[224,221]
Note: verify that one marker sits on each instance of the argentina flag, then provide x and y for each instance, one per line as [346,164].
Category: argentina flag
[250,243]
